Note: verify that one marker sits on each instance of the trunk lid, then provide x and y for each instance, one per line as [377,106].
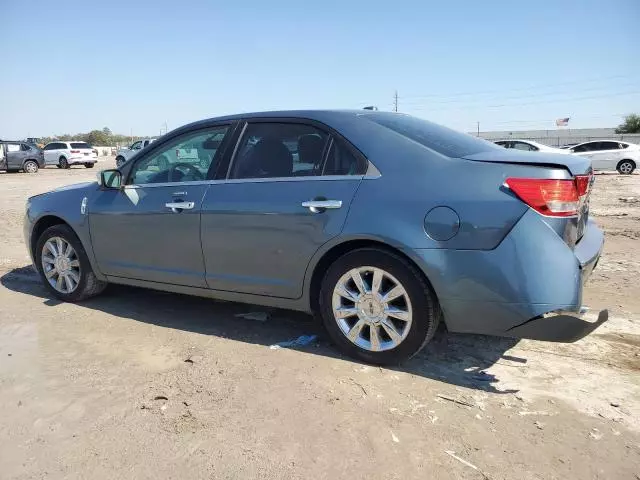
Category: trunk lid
[575,164]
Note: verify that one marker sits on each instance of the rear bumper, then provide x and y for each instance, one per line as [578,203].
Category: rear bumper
[82,160]
[558,326]
[530,286]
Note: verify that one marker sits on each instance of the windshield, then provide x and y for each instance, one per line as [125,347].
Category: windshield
[436,137]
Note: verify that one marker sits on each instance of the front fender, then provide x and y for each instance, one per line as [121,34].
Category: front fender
[64,204]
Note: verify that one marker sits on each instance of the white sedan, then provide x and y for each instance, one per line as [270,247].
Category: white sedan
[610,155]
[530,146]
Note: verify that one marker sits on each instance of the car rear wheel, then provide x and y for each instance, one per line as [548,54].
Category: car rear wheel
[120,161]
[63,163]
[88,165]
[30,166]
[626,167]
[64,266]
[377,307]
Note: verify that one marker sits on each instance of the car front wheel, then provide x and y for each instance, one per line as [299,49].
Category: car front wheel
[377,307]
[64,266]
[626,167]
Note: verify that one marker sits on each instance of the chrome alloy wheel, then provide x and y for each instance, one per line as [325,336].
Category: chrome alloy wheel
[372,308]
[61,265]
[626,168]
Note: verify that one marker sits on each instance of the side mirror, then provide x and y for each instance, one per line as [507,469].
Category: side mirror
[111,179]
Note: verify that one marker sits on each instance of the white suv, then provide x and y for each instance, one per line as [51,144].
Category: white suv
[126,153]
[65,154]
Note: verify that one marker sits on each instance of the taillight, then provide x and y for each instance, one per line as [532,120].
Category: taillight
[554,198]
[75,151]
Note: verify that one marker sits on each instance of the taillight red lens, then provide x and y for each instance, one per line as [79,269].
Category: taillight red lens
[75,151]
[554,198]
[582,184]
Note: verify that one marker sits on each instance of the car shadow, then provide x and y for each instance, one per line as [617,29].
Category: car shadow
[457,359]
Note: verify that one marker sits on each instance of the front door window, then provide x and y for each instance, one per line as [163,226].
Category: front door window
[187,158]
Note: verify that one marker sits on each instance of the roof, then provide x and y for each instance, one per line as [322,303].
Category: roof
[310,114]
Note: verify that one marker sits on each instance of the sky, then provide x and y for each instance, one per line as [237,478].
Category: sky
[74,66]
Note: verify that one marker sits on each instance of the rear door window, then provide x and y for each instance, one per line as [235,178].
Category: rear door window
[342,161]
[609,146]
[271,150]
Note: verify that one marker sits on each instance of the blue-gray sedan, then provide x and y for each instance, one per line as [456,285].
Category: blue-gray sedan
[384,224]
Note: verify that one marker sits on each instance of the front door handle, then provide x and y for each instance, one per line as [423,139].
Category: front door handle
[176,207]
[319,206]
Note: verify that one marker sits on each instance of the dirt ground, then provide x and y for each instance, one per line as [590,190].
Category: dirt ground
[143,384]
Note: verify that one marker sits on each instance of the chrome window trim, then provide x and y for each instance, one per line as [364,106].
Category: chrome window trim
[325,178]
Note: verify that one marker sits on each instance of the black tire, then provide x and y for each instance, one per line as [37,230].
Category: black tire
[63,163]
[120,161]
[58,166]
[31,166]
[88,165]
[626,167]
[425,307]
[89,285]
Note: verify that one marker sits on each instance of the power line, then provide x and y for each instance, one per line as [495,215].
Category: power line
[518,97]
[532,103]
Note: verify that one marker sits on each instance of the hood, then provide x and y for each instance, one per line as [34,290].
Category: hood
[68,188]
[75,186]
[575,164]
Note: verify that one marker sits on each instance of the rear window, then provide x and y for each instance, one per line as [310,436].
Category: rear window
[80,145]
[436,137]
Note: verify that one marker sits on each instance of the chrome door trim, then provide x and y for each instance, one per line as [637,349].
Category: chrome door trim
[325,178]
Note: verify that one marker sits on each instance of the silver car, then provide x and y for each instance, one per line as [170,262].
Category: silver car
[383,224]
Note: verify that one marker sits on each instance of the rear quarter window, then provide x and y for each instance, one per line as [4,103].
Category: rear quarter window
[435,137]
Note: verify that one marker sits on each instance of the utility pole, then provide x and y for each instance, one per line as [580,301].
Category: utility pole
[478,124]
[395,101]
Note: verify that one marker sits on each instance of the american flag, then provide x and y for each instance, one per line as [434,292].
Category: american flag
[562,122]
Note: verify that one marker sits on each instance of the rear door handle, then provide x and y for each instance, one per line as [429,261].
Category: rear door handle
[318,206]
[177,206]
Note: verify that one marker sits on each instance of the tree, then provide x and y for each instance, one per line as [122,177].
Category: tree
[107,131]
[97,137]
[631,124]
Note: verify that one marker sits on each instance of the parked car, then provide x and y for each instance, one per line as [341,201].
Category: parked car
[568,145]
[126,153]
[610,155]
[384,224]
[66,154]
[16,156]
[529,146]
